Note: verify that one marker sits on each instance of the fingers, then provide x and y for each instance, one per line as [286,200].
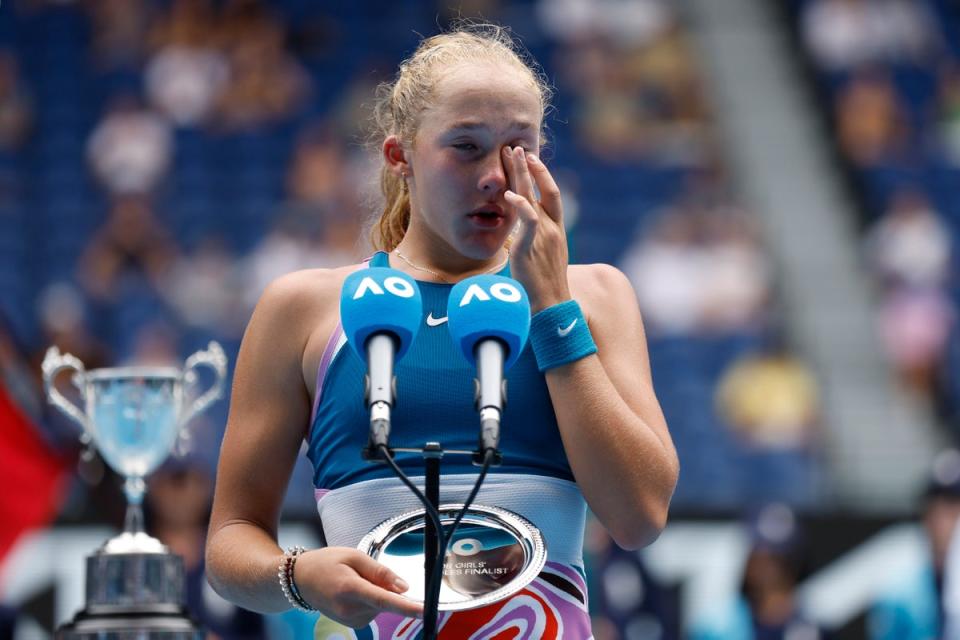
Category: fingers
[373,590]
[352,588]
[549,191]
[383,600]
[528,217]
[528,175]
[520,181]
[377,573]
[521,195]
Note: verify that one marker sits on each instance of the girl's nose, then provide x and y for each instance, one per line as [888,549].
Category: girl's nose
[493,179]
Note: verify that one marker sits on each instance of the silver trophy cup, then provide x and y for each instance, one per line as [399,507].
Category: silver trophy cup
[135,417]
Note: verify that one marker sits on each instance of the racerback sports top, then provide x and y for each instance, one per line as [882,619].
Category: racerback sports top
[435,402]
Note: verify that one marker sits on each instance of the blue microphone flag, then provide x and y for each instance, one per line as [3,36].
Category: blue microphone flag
[489,306]
[380,300]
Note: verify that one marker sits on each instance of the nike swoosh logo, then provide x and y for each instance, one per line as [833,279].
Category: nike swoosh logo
[436,322]
[563,332]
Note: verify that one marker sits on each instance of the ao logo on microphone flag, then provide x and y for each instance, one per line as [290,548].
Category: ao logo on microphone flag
[489,306]
[380,300]
[503,291]
[393,284]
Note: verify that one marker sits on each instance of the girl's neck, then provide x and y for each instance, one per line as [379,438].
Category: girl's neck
[424,269]
[433,259]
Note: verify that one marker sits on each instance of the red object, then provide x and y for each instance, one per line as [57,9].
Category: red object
[32,476]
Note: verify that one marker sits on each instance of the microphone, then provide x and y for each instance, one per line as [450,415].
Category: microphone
[380,311]
[489,319]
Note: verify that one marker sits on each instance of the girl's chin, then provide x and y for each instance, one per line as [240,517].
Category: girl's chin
[483,248]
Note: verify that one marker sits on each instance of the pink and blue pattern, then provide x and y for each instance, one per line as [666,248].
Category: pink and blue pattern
[552,607]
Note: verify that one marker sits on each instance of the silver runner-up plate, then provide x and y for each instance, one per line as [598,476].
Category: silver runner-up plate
[494,554]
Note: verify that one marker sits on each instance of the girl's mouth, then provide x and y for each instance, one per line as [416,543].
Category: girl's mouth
[488,218]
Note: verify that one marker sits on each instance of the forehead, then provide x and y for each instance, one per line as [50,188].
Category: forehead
[497,97]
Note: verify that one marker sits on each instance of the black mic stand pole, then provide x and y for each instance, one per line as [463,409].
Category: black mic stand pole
[432,452]
[431,537]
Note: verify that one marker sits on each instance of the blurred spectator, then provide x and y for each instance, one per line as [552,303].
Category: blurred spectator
[16,105]
[871,120]
[677,130]
[119,31]
[187,74]
[624,22]
[129,150]
[700,270]
[317,170]
[767,607]
[298,243]
[909,249]
[770,399]
[843,34]
[915,325]
[205,289]
[666,268]
[739,276]
[635,79]
[177,510]
[909,244]
[62,313]
[265,83]
[132,242]
[910,607]
[320,221]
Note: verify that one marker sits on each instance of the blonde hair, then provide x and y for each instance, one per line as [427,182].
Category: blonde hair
[399,104]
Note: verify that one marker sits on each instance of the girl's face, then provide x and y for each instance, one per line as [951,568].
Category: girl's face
[456,171]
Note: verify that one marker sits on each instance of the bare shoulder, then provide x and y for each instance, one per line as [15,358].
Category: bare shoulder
[601,288]
[298,312]
[301,290]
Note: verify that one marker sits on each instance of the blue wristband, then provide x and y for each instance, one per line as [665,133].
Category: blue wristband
[559,334]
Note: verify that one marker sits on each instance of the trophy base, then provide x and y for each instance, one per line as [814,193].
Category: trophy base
[133,596]
[144,624]
[132,582]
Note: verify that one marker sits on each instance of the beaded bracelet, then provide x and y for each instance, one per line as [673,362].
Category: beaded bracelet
[287,585]
[559,334]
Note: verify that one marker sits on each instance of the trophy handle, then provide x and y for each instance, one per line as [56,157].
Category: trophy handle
[53,363]
[216,359]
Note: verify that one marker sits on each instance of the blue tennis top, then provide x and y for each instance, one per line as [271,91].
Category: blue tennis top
[435,402]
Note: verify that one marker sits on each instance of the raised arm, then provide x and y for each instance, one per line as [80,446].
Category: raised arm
[613,430]
[269,411]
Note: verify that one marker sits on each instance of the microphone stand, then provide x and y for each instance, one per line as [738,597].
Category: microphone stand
[434,539]
[380,395]
[432,452]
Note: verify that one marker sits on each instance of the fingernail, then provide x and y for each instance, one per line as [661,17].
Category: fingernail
[532,158]
[506,151]
[400,584]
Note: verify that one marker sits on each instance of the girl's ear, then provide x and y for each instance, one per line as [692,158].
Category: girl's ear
[395,156]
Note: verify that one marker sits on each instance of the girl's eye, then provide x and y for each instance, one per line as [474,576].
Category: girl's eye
[465,146]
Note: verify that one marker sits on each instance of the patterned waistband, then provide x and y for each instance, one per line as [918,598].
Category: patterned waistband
[553,505]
